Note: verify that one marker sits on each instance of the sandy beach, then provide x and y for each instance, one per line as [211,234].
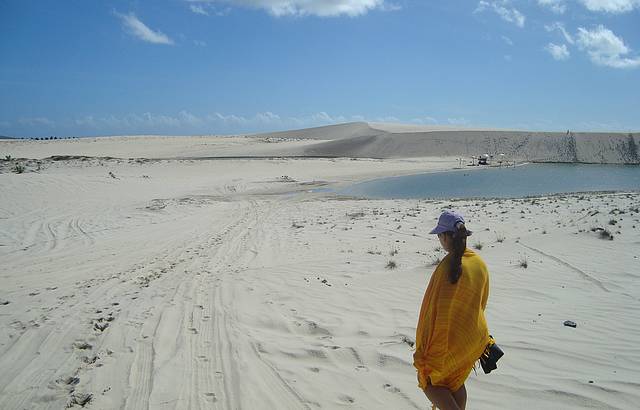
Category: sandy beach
[217,272]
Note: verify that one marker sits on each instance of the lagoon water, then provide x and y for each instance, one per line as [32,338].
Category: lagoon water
[513,182]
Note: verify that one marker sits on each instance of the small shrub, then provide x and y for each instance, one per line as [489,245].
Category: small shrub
[391,265]
[612,222]
[7,158]
[523,263]
[19,169]
[478,245]
[605,234]
[500,238]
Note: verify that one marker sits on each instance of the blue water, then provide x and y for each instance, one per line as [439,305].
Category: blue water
[521,181]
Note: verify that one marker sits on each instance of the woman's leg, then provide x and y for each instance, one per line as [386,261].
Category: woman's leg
[460,396]
[441,397]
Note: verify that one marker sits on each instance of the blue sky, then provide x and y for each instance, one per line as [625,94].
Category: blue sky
[177,67]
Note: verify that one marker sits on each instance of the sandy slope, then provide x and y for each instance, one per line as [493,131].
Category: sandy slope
[377,140]
[226,284]
[411,128]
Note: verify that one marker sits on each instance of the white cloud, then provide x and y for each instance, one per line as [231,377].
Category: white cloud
[188,122]
[187,118]
[387,119]
[321,8]
[226,119]
[558,52]
[556,6]
[424,120]
[611,6]
[88,121]
[38,122]
[323,117]
[267,117]
[140,30]
[507,40]
[560,27]
[133,121]
[457,121]
[198,9]
[605,48]
[504,10]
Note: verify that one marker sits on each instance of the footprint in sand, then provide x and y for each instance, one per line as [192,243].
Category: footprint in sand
[82,345]
[390,388]
[89,359]
[211,397]
[100,325]
[81,399]
[347,399]
[68,382]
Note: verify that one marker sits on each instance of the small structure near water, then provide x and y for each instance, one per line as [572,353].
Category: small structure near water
[498,160]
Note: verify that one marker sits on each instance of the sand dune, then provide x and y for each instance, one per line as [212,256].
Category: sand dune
[355,140]
[396,128]
[400,141]
[328,132]
[227,284]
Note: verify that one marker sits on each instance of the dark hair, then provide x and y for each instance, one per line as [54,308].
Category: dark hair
[459,245]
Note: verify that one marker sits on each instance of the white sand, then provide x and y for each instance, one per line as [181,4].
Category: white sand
[221,284]
[410,128]
[378,140]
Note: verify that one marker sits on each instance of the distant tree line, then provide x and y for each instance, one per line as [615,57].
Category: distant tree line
[50,138]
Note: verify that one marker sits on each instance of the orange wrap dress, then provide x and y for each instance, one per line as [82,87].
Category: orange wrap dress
[452,331]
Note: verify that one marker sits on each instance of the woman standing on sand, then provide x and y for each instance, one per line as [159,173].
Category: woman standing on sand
[452,332]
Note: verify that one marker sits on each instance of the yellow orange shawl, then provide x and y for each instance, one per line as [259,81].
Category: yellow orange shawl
[452,331]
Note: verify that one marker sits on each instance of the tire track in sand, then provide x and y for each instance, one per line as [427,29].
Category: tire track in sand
[243,368]
[583,274]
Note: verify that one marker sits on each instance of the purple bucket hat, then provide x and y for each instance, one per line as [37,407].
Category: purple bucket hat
[447,222]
